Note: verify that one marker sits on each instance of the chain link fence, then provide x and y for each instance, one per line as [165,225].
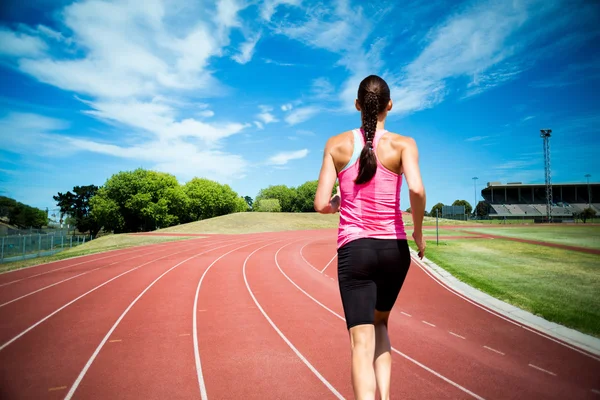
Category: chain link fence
[21,247]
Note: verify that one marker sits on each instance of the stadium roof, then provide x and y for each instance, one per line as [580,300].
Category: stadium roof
[521,184]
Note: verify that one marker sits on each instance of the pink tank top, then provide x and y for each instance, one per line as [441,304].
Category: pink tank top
[370,210]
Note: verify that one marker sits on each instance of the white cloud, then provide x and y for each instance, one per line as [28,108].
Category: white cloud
[286,156]
[485,43]
[33,133]
[299,115]
[322,88]
[135,48]
[207,113]
[286,107]
[476,138]
[266,115]
[259,125]
[18,44]
[160,119]
[270,6]
[136,65]
[227,13]
[247,50]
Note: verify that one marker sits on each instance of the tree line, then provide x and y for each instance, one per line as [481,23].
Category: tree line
[21,215]
[144,200]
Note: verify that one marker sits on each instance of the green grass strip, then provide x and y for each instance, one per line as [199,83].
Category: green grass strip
[558,285]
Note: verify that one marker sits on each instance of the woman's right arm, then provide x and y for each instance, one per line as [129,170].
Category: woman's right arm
[412,173]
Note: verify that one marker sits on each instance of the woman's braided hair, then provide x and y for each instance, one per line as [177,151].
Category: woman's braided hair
[373,98]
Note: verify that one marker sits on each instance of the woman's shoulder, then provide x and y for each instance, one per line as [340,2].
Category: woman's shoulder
[400,140]
[340,139]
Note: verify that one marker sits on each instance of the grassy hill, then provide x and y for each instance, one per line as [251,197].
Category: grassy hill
[254,222]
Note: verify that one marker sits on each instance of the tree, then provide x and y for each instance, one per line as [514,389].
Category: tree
[438,206]
[22,215]
[409,210]
[482,209]
[468,207]
[305,197]
[284,194]
[241,205]
[208,199]
[588,213]
[77,205]
[139,200]
[268,205]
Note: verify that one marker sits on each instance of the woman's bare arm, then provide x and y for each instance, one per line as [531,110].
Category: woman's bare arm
[324,203]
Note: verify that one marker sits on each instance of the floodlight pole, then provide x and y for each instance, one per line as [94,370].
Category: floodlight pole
[545,134]
[589,191]
[475,191]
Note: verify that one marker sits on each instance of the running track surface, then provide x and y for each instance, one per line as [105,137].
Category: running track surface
[255,317]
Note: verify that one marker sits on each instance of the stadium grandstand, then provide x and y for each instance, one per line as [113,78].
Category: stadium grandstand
[516,200]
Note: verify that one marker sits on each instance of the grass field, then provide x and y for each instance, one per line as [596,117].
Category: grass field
[104,243]
[561,286]
[584,236]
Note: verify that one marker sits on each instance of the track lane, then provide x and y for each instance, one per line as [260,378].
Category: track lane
[235,342]
[486,335]
[17,317]
[147,323]
[27,287]
[54,352]
[19,275]
[265,292]
[410,379]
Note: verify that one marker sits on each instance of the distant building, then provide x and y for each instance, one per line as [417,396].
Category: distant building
[526,201]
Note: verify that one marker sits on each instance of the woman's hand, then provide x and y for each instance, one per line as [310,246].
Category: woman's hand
[420,241]
[335,201]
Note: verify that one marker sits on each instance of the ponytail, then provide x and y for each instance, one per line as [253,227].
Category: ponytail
[368,163]
[373,97]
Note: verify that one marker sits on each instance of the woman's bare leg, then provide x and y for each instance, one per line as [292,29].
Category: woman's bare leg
[383,354]
[362,340]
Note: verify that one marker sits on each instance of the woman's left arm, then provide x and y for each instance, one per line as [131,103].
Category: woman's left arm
[324,202]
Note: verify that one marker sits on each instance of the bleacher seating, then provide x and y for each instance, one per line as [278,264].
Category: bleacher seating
[519,201]
[529,210]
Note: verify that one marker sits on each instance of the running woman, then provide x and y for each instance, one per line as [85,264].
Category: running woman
[373,252]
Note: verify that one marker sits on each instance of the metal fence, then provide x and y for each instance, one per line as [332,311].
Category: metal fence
[21,247]
[454,212]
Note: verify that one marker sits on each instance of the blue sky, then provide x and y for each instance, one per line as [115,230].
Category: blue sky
[247,92]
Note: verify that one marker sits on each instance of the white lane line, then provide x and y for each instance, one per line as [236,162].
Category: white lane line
[408,315]
[49,286]
[457,335]
[113,252]
[495,313]
[85,294]
[596,391]
[302,255]
[330,261]
[426,368]
[110,332]
[76,276]
[71,265]
[428,323]
[494,350]
[201,384]
[542,369]
[304,360]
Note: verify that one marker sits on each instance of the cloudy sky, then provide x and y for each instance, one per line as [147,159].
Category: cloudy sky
[247,92]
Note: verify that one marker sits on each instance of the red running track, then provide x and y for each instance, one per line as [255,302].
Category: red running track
[254,316]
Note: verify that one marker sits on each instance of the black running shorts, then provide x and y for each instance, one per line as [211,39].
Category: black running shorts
[370,274]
